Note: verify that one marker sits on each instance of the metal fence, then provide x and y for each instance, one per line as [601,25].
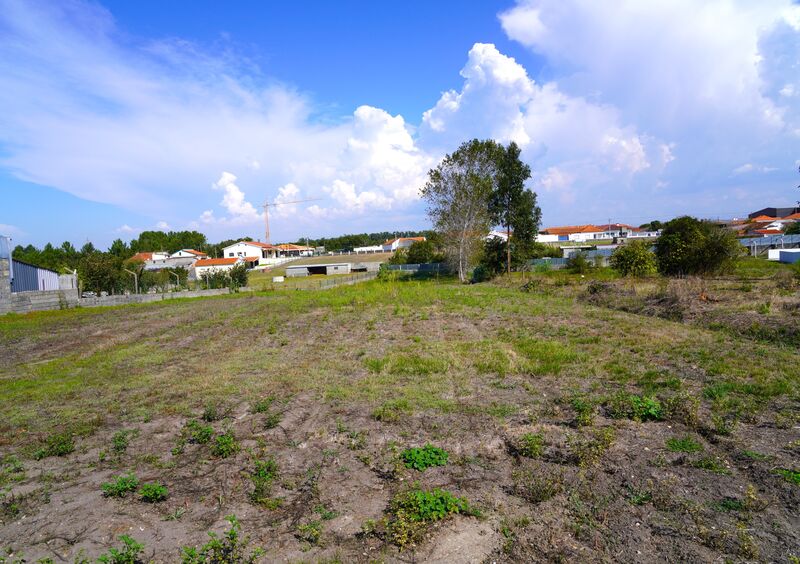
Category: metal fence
[326,283]
[757,245]
[427,268]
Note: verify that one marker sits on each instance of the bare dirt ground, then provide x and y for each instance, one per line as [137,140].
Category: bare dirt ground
[575,432]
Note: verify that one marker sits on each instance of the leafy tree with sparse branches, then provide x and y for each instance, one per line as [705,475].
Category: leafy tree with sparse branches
[457,192]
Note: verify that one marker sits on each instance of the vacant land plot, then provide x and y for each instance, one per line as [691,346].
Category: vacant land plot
[406,421]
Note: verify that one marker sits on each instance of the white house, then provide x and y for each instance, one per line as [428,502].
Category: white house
[370,249]
[400,243]
[188,253]
[266,253]
[202,267]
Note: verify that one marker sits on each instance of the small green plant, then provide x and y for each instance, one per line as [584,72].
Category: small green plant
[225,445]
[589,450]
[58,444]
[262,405]
[764,308]
[230,548]
[121,486]
[413,510]
[121,440]
[638,496]
[325,513]
[425,457]
[637,408]
[309,532]
[272,420]
[792,476]
[584,411]
[211,413]
[753,455]
[262,476]
[128,554]
[11,470]
[730,504]
[684,444]
[153,492]
[430,505]
[193,432]
[538,485]
[711,464]
[684,408]
[531,445]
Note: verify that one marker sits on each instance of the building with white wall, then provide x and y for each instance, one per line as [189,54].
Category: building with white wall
[400,243]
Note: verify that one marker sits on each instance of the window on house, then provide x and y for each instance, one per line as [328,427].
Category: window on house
[230,254]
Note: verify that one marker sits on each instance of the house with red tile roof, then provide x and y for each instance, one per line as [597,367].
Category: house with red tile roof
[400,243]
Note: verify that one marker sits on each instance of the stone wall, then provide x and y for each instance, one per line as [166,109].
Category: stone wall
[5,283]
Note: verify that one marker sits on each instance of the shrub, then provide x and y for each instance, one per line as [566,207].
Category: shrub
[120,486]
[684,444]
[420,252]
[238,276]
[531,445]
[230,548]
[634,259]
[262,477]
[58,444]
[578,263]
[689,246]
[225,445]
[425,457]
[129,554]
[153,492]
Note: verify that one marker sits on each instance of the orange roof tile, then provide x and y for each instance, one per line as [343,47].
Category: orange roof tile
[197,253]
[761,218]
[216,261]
[795,216]
[569,229]
[141,257]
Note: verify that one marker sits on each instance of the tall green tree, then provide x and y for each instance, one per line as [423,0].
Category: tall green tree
[457,193]
[513,206]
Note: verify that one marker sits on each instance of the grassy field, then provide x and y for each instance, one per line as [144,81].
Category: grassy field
[568,418]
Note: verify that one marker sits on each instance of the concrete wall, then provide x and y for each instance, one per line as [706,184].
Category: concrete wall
[23,302]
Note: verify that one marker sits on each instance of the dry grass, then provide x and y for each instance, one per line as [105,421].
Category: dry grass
[398,365]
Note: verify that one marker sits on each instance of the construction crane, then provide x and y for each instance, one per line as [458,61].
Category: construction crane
[266,207]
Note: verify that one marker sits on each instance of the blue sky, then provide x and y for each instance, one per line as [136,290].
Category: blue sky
[121,116]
